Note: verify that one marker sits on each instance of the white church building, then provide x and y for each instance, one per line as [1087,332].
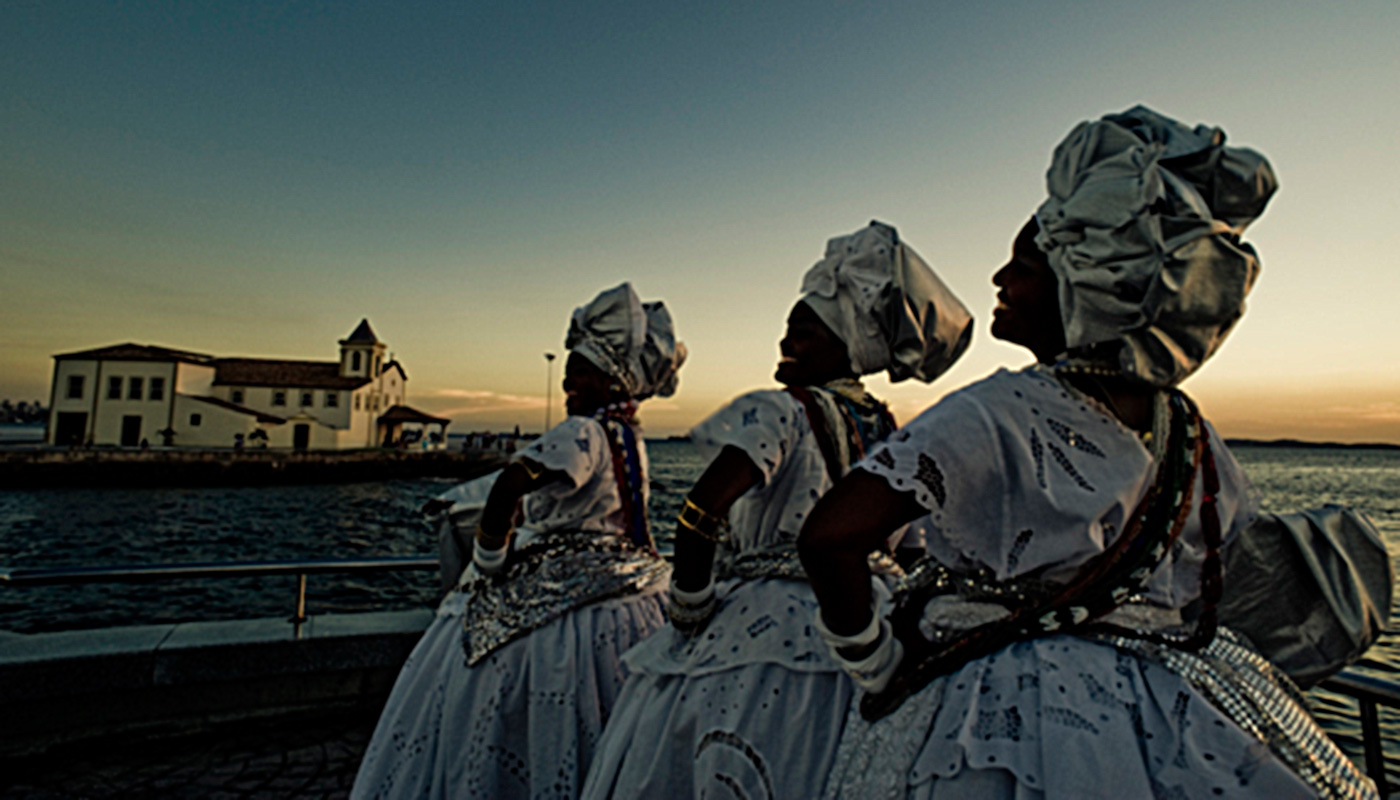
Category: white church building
[134,395]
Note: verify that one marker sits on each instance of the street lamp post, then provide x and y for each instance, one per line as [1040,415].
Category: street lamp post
[548,388]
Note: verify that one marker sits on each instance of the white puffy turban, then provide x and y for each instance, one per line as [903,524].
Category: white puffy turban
[884,302]
[632,341]
[1142,229]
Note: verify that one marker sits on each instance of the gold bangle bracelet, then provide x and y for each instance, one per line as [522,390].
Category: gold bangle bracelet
[534,475]
[695,518]
[483,536]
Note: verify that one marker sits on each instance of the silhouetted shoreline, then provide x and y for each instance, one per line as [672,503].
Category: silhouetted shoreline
[37,468]
[1302,445]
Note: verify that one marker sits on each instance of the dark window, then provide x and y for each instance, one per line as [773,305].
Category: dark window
[195,419]
[377,366]
[114,388]
[357,402]
[355,361]
[237,397]
[133,389]
[279,398]
[305,399]
[157,389]
[332,399]
[75,387]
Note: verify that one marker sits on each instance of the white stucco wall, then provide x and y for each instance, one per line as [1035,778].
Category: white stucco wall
[282,437]
[217,426]
[194,379]
[337,416]
[59,401]
[260,398]
[154,414]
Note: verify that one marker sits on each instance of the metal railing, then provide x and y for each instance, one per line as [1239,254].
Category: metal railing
[1370,692]
[69,576]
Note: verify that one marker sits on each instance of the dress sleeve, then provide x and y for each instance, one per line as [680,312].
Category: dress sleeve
[766,425]
[949,459]
[943,456]
[575,447]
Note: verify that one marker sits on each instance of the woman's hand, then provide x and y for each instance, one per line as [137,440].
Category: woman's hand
[848,523]
[493,533]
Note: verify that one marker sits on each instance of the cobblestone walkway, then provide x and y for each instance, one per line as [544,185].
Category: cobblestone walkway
[308,759]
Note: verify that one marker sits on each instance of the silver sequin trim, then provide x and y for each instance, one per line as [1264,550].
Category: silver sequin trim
[548,579]
[1264,702]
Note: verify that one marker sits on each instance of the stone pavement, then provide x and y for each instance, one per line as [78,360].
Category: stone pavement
[309,758]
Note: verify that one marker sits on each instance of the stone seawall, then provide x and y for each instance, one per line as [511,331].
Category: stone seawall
[46,467]
[154,680]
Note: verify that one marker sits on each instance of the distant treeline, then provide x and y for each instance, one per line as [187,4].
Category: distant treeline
[22,412]
[1295,443]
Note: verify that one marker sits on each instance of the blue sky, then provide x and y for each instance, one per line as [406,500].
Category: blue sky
[253,178]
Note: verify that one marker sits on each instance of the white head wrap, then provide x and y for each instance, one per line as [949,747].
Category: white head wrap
[1142,229]
[884,302]
[632,341]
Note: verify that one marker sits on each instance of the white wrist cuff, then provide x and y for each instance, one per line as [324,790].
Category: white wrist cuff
[489,561]
[874,672]
[695,598]
[865,637]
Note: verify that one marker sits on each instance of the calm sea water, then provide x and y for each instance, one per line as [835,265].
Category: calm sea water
[89,527]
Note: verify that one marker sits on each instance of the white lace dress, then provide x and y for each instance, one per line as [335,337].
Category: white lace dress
[752,706]
[523,720]
[1023,476]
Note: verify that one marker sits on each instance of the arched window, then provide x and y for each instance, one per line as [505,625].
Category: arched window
[355,361]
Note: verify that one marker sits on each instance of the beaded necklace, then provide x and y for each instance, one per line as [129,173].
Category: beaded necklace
[619,420]
[1102,584]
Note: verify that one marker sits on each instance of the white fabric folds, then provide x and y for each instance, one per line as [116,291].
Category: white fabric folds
[632,341]
[1142,227]
[887,305]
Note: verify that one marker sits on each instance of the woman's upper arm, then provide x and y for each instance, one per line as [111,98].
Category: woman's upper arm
[763,425]
[860,511]
[729,475]
[573,449]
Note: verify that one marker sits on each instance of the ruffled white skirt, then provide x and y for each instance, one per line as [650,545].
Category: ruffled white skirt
[1058,717]
[521,723]
[752,708]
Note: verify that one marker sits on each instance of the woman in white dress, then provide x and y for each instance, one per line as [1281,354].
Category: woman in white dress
[711,703]
[507,692]
[1060,638]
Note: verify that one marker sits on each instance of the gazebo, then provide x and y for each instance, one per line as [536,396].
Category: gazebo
[392,430]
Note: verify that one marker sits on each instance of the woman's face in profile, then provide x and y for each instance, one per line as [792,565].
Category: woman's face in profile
[811,353]
[586,388]
[1028,300]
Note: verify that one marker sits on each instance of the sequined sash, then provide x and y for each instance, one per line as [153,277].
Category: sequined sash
[1101,585]
[772,563]
[1259,698]
[546,580]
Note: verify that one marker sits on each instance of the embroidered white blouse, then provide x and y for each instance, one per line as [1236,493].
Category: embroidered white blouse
[589,500]
[1025,476]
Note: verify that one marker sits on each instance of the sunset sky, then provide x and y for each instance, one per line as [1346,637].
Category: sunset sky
[253,178]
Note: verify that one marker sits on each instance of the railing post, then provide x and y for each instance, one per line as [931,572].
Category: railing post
[300,616]
[1371,741]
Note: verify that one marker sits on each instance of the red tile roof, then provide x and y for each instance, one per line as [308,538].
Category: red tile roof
[289,374]
[214,401]
[137,352]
